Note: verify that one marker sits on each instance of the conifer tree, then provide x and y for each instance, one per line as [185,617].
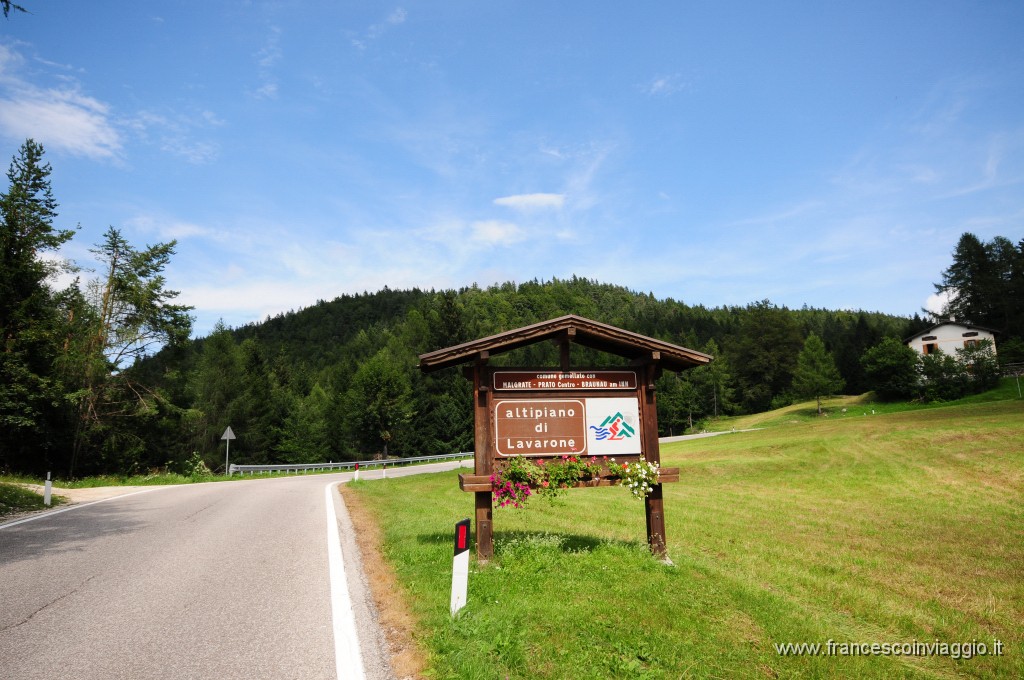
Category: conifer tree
[985,284]
[379,402]
[132,313]
[30,322]
[816,374]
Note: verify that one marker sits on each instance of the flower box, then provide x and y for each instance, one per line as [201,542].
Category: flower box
[477,483]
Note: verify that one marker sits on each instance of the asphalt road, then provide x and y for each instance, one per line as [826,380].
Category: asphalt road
[251,579]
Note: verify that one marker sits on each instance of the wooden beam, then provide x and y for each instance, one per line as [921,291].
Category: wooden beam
[580,330]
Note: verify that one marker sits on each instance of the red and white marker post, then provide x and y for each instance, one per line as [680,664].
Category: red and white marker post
[460,566]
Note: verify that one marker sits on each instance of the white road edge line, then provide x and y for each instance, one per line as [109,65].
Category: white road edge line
[347,657]
[77,506]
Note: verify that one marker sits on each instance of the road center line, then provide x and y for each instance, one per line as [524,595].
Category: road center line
[347,657]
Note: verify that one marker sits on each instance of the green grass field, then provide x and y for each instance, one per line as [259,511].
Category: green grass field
[900,527]
[14,498]
[862,405]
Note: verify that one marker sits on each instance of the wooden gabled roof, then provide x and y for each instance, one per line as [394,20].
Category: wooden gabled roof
[573,328]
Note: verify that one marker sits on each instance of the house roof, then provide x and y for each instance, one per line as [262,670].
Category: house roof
[930,329]
[576,329]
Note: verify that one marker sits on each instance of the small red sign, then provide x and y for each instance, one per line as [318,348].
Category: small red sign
[462,536]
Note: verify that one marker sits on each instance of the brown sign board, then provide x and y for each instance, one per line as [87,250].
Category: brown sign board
[589,426]
[558,411]
[528,381]
[540,427]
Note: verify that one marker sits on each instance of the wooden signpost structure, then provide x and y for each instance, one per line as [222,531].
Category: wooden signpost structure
[551,412]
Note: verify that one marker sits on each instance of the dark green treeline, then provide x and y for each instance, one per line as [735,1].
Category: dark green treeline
[338,380]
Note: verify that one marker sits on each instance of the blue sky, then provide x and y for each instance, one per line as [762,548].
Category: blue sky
[719,153]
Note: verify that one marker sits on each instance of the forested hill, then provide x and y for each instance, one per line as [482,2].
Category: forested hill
[317,336]
[338,380]
[312,335]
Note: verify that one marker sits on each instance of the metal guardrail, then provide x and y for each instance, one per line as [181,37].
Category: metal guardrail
[303,468]
[1012,370]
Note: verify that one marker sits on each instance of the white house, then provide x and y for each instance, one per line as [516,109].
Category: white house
[949,337]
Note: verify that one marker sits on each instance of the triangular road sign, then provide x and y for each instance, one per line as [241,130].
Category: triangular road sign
[228,434]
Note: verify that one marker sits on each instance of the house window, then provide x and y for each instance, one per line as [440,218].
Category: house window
[931,348]
[930,337]
[972,343]
[972,334]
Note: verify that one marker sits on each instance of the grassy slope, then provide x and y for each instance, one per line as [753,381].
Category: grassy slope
[852,407]
[894,528]
[15,498]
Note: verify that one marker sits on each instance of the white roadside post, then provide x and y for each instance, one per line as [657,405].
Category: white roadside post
[460,566]
[356,476]
[47,489]
[227,437]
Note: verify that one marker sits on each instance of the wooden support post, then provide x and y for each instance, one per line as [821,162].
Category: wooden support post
[484,538]
[654,508]
[654,504]
[564,340]
[483,500]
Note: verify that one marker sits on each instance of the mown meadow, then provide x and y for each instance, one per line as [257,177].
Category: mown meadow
[892,528]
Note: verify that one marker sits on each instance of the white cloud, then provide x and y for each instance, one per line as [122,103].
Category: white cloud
[10,60]
[267,59]
[527,202]
[59,117]
[375,31]
[496,232]
[554,152]
[211,118]
[664,85]
[986,171]
[173,134]
[937,302]
[168,229]
[799,210]
[64,118]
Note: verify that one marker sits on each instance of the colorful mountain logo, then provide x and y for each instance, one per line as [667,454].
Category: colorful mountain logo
[613,428]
